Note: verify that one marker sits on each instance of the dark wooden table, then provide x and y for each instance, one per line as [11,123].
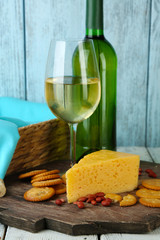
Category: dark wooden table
[11,233]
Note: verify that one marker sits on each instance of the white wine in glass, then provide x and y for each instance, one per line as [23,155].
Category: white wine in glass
[72,98]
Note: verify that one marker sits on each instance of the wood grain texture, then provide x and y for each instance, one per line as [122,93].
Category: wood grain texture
[13,233]
[63,19]
[153,117]
[11,49]
[2,231]
[126,25]
[59,19]
[69,219]
[142,151]
[127,28]
[155,153]
[155,235]
[48,234]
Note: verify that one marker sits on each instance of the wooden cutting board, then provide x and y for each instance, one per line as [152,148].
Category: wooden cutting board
[68,218]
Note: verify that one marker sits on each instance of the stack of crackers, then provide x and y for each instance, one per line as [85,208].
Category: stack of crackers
[149,193]
[45,184]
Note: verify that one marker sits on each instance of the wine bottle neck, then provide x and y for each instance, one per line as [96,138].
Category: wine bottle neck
[94,18]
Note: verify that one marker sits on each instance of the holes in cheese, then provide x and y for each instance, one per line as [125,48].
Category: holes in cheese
[103,171]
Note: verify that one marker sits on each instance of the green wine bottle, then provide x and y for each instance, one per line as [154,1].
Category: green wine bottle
[99,131]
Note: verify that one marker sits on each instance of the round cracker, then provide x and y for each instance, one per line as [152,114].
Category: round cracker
[47,183]
[150,202]
[128,200]
[151,184]
[140,186]
[46,173]
[31,173]
[38,179]
[39,194]
[60,188]
[147,193]
[114,197]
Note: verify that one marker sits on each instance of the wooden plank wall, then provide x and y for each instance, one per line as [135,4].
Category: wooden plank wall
[133,28]
[12,80]
[153,116]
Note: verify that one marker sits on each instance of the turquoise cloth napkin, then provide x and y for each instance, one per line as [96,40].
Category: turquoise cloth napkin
[24,110]
[8,140]
[15,113]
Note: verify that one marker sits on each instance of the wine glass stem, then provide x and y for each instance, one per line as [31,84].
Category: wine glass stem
[73,129]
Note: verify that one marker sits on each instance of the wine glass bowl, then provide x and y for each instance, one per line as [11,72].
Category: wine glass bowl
[72,85]
[79,100]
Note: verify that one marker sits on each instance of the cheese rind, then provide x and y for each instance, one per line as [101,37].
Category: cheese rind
[102,171]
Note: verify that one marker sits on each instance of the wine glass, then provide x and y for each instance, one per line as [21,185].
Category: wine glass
[72,84]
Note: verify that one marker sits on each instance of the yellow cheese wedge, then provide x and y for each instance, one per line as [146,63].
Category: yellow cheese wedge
[102,171]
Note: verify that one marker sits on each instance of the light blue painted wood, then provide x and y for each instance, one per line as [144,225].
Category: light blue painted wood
[141,151]
[45,20]
[2,231]
[153,118]
[154,235]
[11,49]
[127,28]
[155,153]
[15,234]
